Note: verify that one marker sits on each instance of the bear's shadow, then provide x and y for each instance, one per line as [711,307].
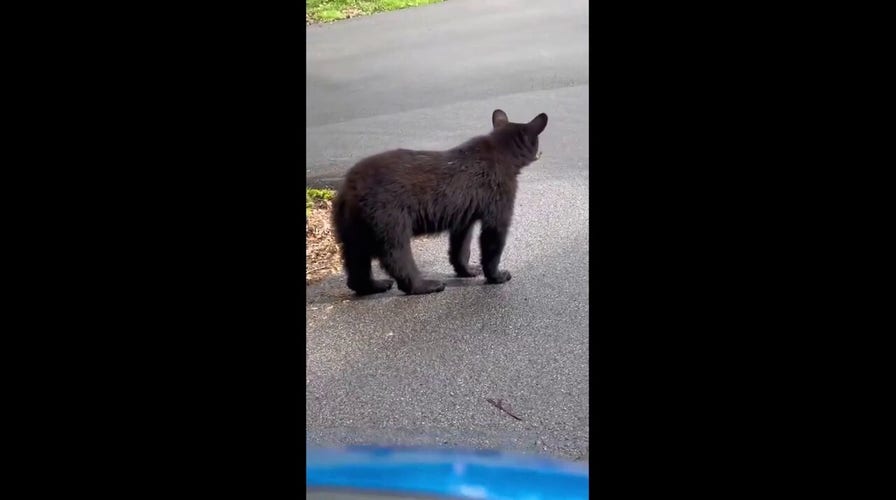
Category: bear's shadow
[334,289]
[451,281]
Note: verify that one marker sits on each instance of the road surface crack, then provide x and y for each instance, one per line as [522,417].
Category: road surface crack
[499,404]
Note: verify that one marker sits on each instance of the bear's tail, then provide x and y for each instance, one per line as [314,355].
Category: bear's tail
[339,214]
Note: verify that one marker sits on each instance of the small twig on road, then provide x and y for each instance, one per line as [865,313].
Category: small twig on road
[499,404]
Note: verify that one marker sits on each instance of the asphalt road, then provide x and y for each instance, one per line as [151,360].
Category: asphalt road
[393,369]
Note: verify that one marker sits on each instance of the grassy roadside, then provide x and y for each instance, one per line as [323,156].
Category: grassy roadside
[317,198]
[323,11]
[322,254]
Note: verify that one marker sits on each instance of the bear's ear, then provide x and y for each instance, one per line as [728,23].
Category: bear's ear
[499,118]
[537,124]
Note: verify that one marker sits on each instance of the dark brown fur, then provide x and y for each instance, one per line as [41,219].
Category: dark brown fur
[390,197]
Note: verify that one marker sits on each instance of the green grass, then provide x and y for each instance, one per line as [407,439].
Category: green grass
[334,10]
[313,196]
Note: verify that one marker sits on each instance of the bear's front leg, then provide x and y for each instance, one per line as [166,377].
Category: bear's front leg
[459,252]
[492,241]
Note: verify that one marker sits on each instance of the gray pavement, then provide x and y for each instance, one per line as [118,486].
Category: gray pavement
[393,369]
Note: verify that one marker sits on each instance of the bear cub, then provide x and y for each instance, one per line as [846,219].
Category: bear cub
[388,198]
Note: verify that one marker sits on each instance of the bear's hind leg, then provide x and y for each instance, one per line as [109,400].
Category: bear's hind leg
[359,270]
[398,261]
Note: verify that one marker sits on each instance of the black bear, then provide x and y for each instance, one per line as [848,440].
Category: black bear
[390,197]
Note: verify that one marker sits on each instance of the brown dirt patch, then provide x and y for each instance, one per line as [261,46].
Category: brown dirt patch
[323,257]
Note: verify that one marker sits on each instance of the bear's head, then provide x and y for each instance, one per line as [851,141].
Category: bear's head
[519,140]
